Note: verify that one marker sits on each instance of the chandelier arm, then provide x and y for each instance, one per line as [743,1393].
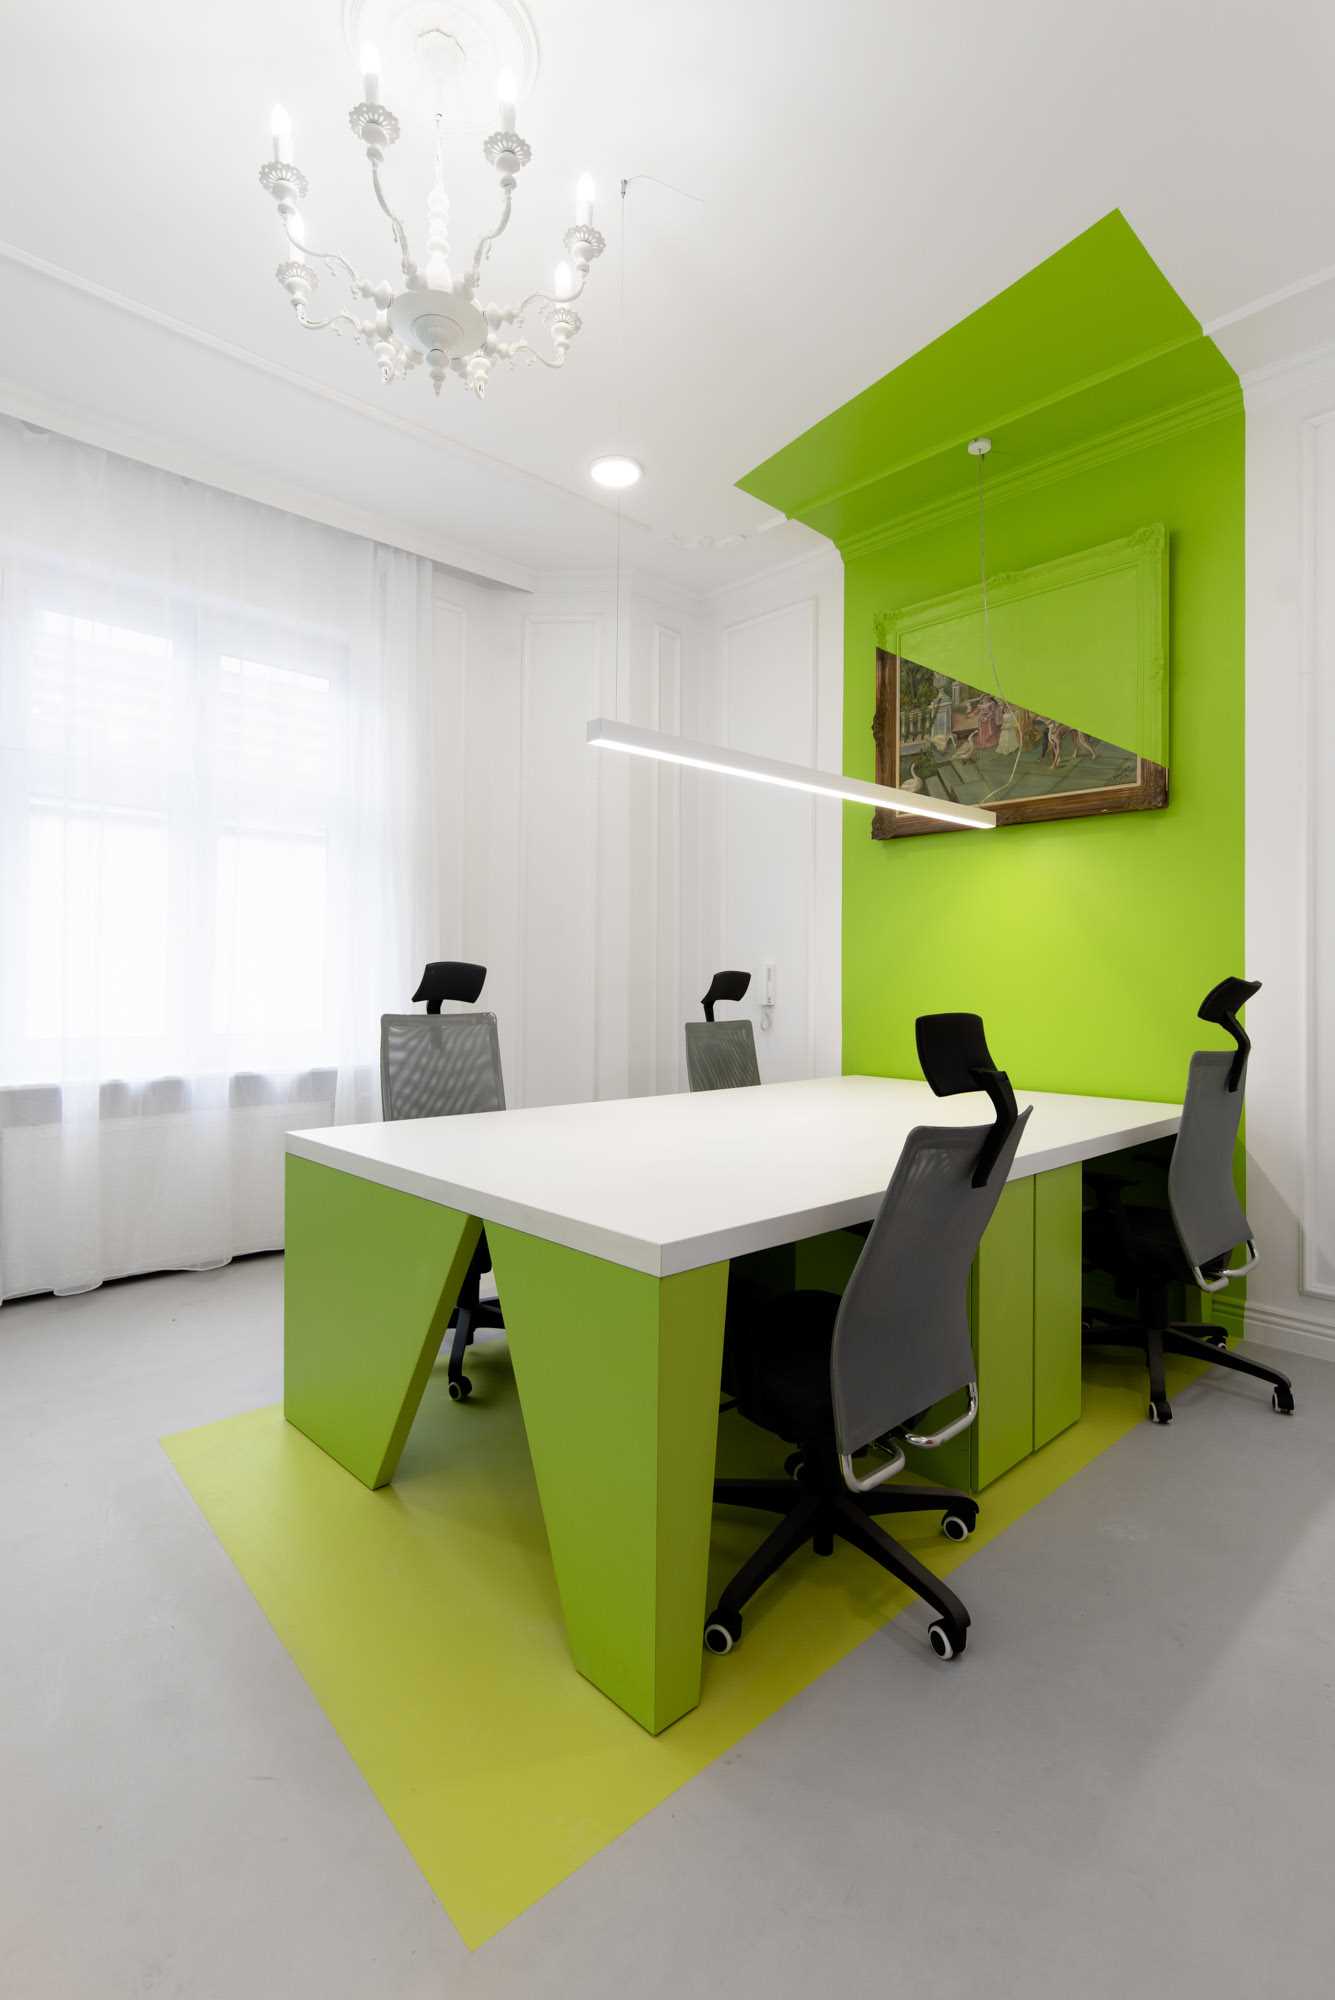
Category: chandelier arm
[359,327]
[360,288]
[523,350]
[400,233]
[513,313]
[485,242]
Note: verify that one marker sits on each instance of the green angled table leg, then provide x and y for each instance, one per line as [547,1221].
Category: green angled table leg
[618,1376]
[1003,1332]
[369,1282]
[1058,1228]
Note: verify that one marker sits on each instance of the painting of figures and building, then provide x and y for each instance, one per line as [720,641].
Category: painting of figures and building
[938,736]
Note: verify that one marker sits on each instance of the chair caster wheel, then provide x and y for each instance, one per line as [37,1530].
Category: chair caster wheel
[1215,1340]
[722,1631]
[1161,1413]
[947,1641]
[955,1528]
[1281,1402]
[461,1390]
[793,1464]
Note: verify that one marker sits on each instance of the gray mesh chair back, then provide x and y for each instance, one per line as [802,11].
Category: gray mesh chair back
[439,1065]
[1206,1212]
[901,1337]
[1202,1199]
[720,1055]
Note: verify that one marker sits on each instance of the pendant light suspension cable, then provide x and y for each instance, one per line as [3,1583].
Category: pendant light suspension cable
[979,448]
[620,426]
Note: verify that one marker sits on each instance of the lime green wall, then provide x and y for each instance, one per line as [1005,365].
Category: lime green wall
[1085,944]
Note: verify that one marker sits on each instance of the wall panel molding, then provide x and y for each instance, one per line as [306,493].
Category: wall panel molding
[781,917]
[594,886]
[1291,853]
[559,797]
[1317,667]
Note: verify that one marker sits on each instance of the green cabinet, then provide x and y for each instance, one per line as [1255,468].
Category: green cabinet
[1024,1313]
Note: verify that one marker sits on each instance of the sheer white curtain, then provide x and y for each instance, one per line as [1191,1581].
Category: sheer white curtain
[217,862]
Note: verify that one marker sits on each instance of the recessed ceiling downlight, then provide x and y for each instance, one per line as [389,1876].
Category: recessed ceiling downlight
[616,472]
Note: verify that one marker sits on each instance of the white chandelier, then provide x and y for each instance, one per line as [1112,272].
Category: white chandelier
[431,314]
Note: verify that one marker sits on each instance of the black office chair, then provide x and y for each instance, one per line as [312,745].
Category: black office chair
[839,1376]
[721,1055]
[436,1065]
[1148,1249]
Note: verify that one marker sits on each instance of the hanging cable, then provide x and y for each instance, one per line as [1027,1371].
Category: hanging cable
[627,183]
[620,429]
[979,449]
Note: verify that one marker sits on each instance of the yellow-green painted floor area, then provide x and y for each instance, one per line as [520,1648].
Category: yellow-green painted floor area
[425,1620]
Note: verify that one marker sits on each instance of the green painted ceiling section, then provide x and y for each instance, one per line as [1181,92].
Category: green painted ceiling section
[1090,342]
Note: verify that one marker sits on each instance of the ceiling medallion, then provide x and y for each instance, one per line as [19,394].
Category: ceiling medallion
[432,313]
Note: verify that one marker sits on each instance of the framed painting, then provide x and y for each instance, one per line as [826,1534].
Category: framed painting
[948,740]
[1091,628]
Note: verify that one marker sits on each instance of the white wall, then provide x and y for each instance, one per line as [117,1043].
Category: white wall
[559,862]
[1291,852]
[603,891]
[768,864]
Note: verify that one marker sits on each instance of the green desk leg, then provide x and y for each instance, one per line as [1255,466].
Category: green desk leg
[1057,1285]
[1003,1331]
[618,1377]
[370,1279]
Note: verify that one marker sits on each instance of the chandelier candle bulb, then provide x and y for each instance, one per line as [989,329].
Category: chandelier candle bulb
[280,125]
[370,73]
[584,193]
[507,90]
[564,282]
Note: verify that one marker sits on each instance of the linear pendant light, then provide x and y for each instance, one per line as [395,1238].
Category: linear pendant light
[604,734]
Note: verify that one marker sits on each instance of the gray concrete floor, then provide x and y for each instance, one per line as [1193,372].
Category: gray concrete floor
[1126,1787]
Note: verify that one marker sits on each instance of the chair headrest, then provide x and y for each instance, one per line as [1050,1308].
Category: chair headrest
[1222,1002]
[450,979]
[1221,1005]
[725,986]
[953,1051]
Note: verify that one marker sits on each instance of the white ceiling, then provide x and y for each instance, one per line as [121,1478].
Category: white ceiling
[870,172]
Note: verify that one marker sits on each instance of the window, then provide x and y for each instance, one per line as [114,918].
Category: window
[97,932]
[181,801]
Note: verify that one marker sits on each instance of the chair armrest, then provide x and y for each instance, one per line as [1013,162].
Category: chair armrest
[1223,1278]
[894,1464]
[930,1440]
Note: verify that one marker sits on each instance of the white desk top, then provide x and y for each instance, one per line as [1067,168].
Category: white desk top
[664,1184]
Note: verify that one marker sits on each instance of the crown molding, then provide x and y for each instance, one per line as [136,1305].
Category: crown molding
[813,502]
[827,562]
[1311,283]
[1288,365]
[246,357]
[636,581]
[91,427]
[1108,446]
[248,483]
[495,568]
